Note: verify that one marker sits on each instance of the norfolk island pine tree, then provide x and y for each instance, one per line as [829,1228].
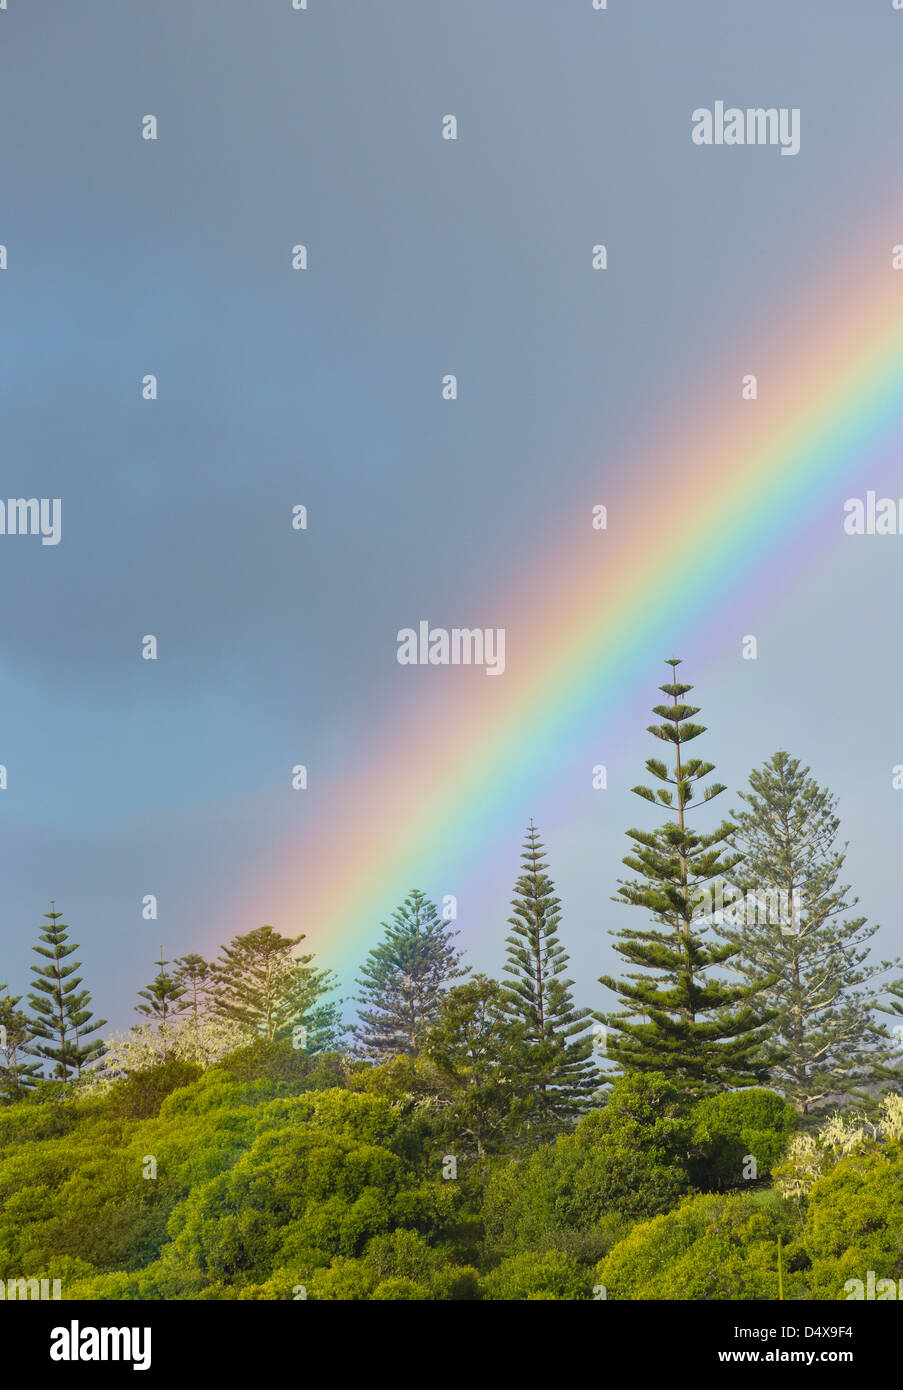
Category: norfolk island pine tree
[61,1013]
[700,1031]
[402,981]
[555,1050]
[811,958]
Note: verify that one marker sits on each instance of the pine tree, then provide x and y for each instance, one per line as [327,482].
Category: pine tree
[163,996]
[891,1068]
[194,976]
[678,1017]
[18,1075]
[402,980]
[558,1051]
[324,1029]
[792,927]
[261,984]
[482,1094]
[61,1012]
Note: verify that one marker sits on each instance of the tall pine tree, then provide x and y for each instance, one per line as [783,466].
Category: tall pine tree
[678,1015]
[793,929]
[402,980]
[61,1011]
[558,1051]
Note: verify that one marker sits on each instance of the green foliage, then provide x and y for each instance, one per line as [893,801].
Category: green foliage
[279,1061]
[710,1247]
[890,1066]
[140,1095]
[402,980]
[230,1149]
[399,1265]
[796,943]
[529,1276]
[61,1011]
[194,976]
[18,1073]
[727,1129]
[623,1163]
[677,1014]
[556,1055]
[260,984]
[479,1083]
[163,997]
[854,1221]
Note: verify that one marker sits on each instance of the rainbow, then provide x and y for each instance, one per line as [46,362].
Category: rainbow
[702,511]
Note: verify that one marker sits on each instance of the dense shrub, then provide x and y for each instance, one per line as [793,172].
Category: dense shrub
[732,1127]
[710,1247]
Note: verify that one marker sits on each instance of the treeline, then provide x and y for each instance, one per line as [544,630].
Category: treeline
[474,1138]
[774,988]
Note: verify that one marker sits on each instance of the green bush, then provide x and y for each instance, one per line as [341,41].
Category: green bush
[622,1163]
[854,1221]
[140,1095]
[729,1128]
[710,1247]
[529,1276]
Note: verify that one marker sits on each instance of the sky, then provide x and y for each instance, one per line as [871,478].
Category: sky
[323,387]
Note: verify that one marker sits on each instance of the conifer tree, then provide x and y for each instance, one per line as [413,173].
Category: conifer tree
[558,1050]
[194,976]
[61,1011]
[792,926]
[18,1074]
[324,1029]
[261,984]
[678,1015]
[163,1000]
[402,980]
[891,1068]
[484,1096]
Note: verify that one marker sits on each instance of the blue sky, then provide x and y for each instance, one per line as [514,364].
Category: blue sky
[129,256]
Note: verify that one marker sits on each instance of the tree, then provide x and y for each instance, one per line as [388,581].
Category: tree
[891,1067]
[552,1276]
[204,1044]
[558,1052]
[734,1127]
[61,1012]
[17,1074]
[852,1227]
[402,980]
[622,1163]
[483,1094]
[677,1017]
[194,975]
[324,1028]
[709,1247]
[163,997]
[261,984]
[795,942]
